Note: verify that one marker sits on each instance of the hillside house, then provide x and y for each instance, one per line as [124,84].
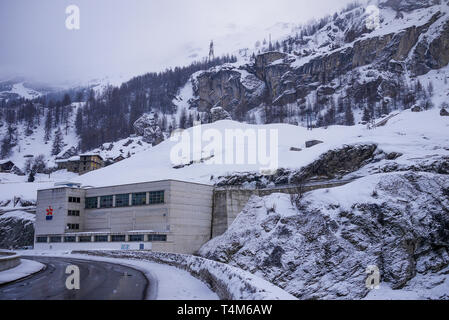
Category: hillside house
[6,166]
[81,164]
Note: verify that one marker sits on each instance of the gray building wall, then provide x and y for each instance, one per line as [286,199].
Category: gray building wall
[185,217]
[57,199]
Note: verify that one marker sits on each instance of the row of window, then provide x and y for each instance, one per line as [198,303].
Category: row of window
[74,213]
[73,226]
[104,238]
[74,200]
[122,200]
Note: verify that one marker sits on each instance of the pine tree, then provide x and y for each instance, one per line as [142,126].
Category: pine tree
[58,143]
[183,120]
[79,121]
[66,101]
[48,126]
[366,115]
[349,116]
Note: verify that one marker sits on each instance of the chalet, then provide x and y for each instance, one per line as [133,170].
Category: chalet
[6,166]
[81,164]
[119,158]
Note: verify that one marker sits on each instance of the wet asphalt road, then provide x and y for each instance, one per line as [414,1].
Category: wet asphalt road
[98,281]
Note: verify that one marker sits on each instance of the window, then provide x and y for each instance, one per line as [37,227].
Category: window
[69,239]
[86,239]
[55,239]
[136,238]
[157,197]
[157,238]
[118,238]
[122,200]
[101,238]
[92,203]
[139,199]
[72,226]
[74,213]
[106,201]
[74,200]
[41,239]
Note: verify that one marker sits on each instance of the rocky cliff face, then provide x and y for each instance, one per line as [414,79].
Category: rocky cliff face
[148,127]
[319,246]
[16,230]
[402,47]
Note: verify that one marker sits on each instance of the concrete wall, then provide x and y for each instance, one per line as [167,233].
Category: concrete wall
[58,200]
[190,207]
[228,203]
[8,260]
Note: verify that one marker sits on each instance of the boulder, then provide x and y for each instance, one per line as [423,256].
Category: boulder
[218,114]
[416,109]
[312,143]
[444,113]
[148,127]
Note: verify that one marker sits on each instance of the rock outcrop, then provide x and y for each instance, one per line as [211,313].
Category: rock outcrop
[218,113]
[277,79]
[232,89]
[333,164]
[319,246]
[16,231]
[148,127]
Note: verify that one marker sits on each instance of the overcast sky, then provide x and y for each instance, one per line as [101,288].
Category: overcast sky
[131,37]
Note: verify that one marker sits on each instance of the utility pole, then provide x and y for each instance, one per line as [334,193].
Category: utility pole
[309,120]
[211,51]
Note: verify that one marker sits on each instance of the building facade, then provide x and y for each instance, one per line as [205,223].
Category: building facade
[164,216]
[81,164]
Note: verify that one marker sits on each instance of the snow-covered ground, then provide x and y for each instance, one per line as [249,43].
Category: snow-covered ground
[23,270]
[416,135]
[14,187]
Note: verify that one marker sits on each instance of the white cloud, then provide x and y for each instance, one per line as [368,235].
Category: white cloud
[133,36]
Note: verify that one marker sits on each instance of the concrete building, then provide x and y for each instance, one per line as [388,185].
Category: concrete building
[81,164]
[164,216]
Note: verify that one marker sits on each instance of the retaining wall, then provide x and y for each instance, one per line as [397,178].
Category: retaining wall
[8,260]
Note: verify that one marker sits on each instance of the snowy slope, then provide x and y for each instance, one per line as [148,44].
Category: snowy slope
[416,135]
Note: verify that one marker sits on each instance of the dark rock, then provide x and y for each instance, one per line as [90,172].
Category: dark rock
[416,109]
[16,233]
[148,127]
[444,113]
[218,114]
[312,143]
[393,155]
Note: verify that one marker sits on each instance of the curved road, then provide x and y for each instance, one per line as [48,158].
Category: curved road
[98,281]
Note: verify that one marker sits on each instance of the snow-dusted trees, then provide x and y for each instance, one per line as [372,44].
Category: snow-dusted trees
[58,143]
[8,142]
[349,116]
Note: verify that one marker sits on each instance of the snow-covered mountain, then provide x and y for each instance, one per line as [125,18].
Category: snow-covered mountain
[370,82]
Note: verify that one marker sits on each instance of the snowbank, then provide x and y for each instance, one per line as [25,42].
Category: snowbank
[25,269]
[228,282]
